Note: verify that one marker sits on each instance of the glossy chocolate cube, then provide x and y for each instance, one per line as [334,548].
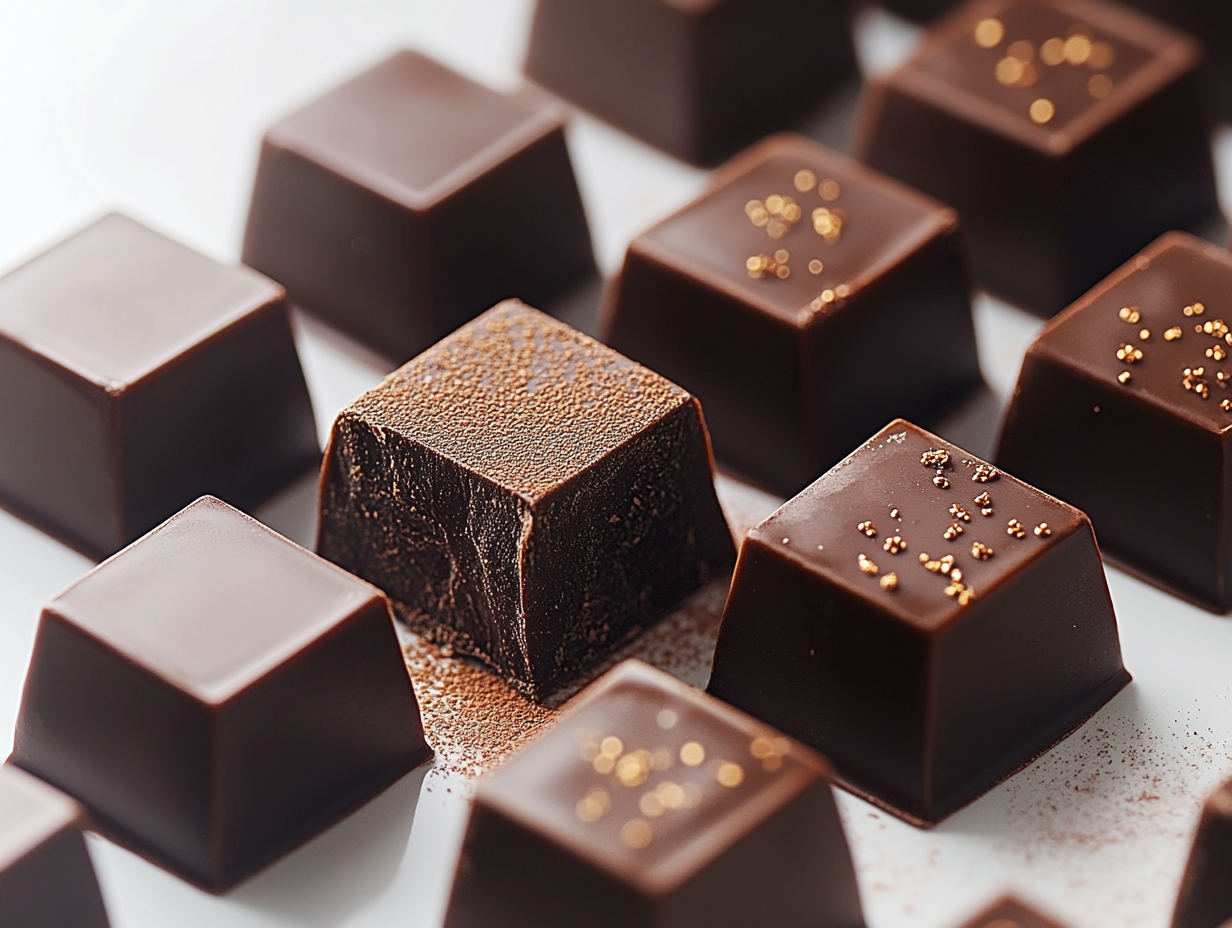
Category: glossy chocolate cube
[1134,369]
[1205,899]
[46,878]
[410,199]
[700,79]
[1010,913]
[136,375]
[216,695]
[796,361]
[930,624]
[526,496]
[651,804]
[1067,133]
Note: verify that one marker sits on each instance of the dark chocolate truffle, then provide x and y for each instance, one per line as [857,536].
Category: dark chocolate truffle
[46,878]
[1206,892]
[525,495]
[929,623]
[410,199]
[1067,133]
[1010,913]
[700,79]
[1136,369]
[651,804]
[136,375]
[216,695]
[805,300]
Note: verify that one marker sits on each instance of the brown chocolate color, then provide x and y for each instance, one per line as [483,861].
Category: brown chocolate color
[1119,155]
[216,695]
[408,200]
[1010,913]
[580,830]
[136,375]
[1074,430]
[1205,899]
[925,690]
[700,79]
[920,11]
[794,373]
[46,878]
[525,495]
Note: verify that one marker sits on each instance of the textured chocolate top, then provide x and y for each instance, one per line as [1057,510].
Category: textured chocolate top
[520,399]
[117,301]
[211,600]
[793,199]
[884,521]
[650,779]
[1009,913]
[412,129]
[1047,72]
[30,813]
[1160,328]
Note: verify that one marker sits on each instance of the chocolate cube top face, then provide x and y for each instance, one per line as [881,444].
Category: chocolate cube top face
[656,791]
[1142,361]
[1206,897]
[525,495]
[409,199]
[927,621]
[771,295]
[1009,912]
[216,695]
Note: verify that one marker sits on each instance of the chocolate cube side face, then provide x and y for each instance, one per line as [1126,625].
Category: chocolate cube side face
[46,877]
[774,348]
[405,202]
[1139,363]
[215,696]
[928,649]
[1044,157]
[1206,896]
[526,496]
[652,802]
[688,77]
[136,375]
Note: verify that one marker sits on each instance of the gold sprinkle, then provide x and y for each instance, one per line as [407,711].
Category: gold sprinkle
[889,582]
[762,747]
[805,180]
[956,575]
[1216,327]
[866,566]
[661,759]
[935,457]
[1125,377]
[633,769]
[827,296]
[828,223]
[983,473]
[952,532]
[1130,314]
[816,267]
[943,566]
[667,718]
[894,545]
[604,764]
[1221,378]
[981,552]
[959,513]
[830,190]
[776,228]
[1217,353]
[983,500]
[596,805]
[1042,530]
[1042,111]
[894,514]
[1102,56]
[671,796]
[782,256]
[1016,529]
[1194,309]
[1144,334]
[1173,334]
[1099,86]
[1129,354]
[1022,50]
[1194,382]
[1078,49]
[842,290]
[651,805]
[1052,52]
[867,529]
[989,33]
[1009,71]
[611,746]
[941,481]
[729,774]
[959,591]
[692,754]
[637,834]
[1225,405]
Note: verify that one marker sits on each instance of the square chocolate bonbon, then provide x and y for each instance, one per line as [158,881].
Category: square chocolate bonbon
[46,878]
[1205,900]
[525,495]
[1067,133]
[805,300]
[930,624]
[651,804]
[1135,370]
[700,79]
[215,695]
[136,375]
[410,199]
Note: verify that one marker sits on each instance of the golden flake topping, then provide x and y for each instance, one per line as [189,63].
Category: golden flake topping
[981,552]
[889,582]
[1015,529]
[894,545]
[866,566]
[867,529]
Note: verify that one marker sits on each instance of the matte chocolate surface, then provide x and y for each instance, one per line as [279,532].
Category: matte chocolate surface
[1010,913]
[651,804]
[700,79]
[1067,133]
[1205,899]
[216,695]
[777,297]
[525,495]
[408,200]
[929,623]
[1140,362]
[136,375]
[46,878]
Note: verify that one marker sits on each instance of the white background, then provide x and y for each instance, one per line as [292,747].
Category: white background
[157,108]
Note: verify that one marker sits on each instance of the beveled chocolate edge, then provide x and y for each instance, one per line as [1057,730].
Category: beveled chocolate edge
[77,821]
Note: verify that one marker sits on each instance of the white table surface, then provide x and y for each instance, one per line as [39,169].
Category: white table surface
[156,107]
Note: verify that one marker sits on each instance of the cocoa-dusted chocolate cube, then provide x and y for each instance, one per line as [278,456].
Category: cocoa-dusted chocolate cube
[700,79]
[805,300]
[136,375]
[1138,365]
[526,496]
[929,623]
[1010,913]
[652,804]
[215,695]
[1205,900]
[410,199]
[1067,133]
[46,878]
